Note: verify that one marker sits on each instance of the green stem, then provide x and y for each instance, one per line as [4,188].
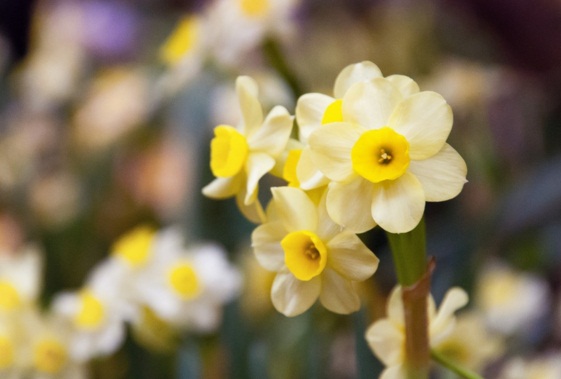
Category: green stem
[409,254]
[452,366]
[278,62]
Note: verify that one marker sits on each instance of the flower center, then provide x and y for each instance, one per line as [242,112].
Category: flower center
[254,8]
[289,170]
[50,356]
[333,113]
[380,154]
[91,313]
[9,296]
[181,41]
[135,247]
[183,280]
[228,151]
[6,352]
[305,255]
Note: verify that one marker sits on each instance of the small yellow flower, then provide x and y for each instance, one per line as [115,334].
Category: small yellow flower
[183,41]
[386,155]
[241,156]
[19,280]
[313,257]
[386,337]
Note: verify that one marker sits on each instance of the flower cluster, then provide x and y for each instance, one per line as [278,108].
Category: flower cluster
[150,281]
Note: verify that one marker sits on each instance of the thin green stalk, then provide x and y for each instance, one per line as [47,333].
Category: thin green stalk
[409,254]
[453,366]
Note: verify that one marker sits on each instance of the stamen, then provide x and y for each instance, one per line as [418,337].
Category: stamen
[384,156]
[311,252]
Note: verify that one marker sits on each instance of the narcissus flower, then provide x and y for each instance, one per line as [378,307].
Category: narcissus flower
[313,257]
[241,156]
[386,337]
[387,156]
[315,109]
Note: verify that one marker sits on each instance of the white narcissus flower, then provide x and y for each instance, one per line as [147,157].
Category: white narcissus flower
[187,288]
[97,313]
[315,109]
[20,276]
[387,156]
[545,366]
[386,337]
[241,156]
[313,256]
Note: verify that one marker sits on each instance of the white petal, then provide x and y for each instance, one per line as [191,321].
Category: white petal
[271,138]
[348,204]
[250,107]
[394,372]
[265,241]
[371,103]
[256,166]
[395,306]
[331,147]
[355,73]
[222,188]
[454,299]
[111,337]
[337,293]
[308,174]
[442,176]
[291,296]
[253,211]
[425,119]
[350,257]
[398,205]
[387,340]
[309,113]
[405,84]
[295,209]
[327,228]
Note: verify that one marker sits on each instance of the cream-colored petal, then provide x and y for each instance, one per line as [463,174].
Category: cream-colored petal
[291,296]
[442,176]
[327,228]
[331,147]
[271,138]
[405,84]
[398,205]
[355,73]
[256,166]
[394,372]
[265,241]
[309,113]
[348,204]
[443,324]
[387,341]
[337,293]
[254,210]
[308,174]
[222,188]
[295,209]
[371,103]
[252,113]
[395,306]
[350,257]
[425,119]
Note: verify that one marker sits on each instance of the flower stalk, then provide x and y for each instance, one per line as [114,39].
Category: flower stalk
[452,366]
[413,273]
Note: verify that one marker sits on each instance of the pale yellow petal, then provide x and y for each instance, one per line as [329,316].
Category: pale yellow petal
[331,147]
[252,113]
[222,188]
[398,205]
[348,204]
[405,84]
[454,299]
[254,210]
[256,166]
[350,257]
[395,306]
[271,138]
[337,293]
[327,228]
[442,176]
[291,296]
[265,241]
[425,119]
[355,73]
[371,103]
[295,209]
[387,341]
[394,372]
[308,174]
[309,113]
